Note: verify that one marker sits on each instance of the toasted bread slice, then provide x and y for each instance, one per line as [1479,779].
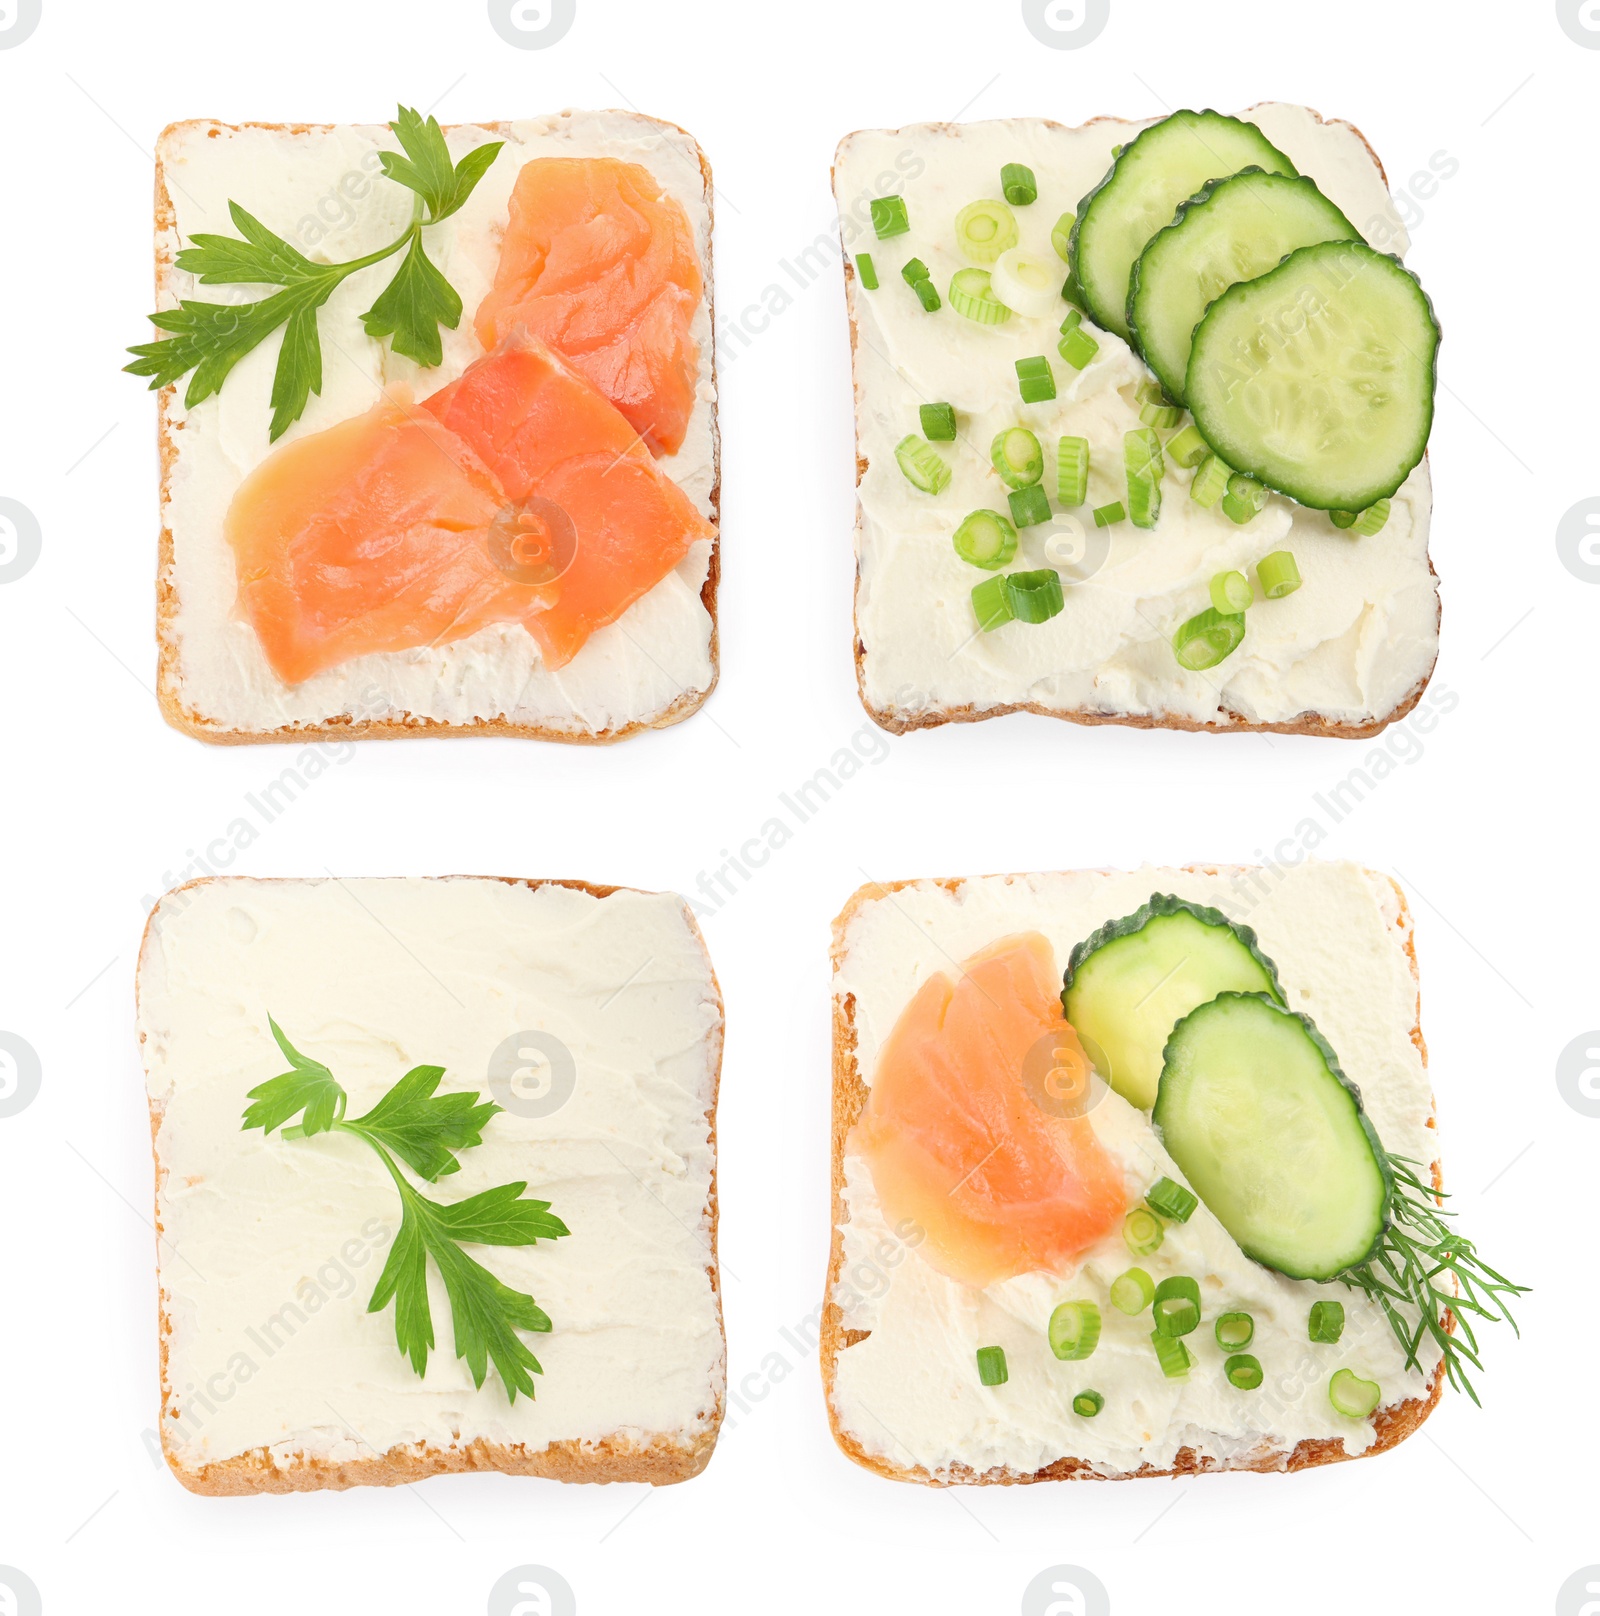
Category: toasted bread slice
[275,1377]
[1349,661]
[928,926]
[651,669]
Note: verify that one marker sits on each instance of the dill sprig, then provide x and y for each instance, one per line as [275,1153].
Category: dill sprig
[1425,1266]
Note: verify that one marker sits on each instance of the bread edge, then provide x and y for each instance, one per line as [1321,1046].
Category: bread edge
[662,1459]
[192,722]
[1393,1423]
[898,723]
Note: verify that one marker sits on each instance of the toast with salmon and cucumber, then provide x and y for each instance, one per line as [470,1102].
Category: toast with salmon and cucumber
[1142,413]
[435,1192]
[439,449]
[1137,1174]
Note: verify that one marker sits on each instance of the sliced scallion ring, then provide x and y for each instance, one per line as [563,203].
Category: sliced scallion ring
[922,464]
[1231,592]
[1061,236]
[1172,1355]
[984,230]
[1017,456]
[992,1369]
[1088,1404]
[1018,185]
[1034,597]
[1279,574]
[1210,481]
[1177,1305]
[1133,1291]
[1209,637]
[989,604]
[1142,1232]
[1352,1396]
[972,294]
[1326,1323]
[1026,282]
[1235,1331]
[1074,1330]
[1243,1371]
[986,539]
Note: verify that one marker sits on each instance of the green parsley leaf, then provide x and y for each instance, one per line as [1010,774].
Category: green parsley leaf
[422,1128]
[309,1086]
[426,167]
[261,258]
[413,306]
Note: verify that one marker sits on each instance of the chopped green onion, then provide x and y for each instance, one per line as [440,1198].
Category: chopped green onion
[1344,518]
[1209,637]
[1244,498]
[1171,1200]
[1029,506]
[1073,320]
[1353,1396]
[922,464]
[1072,471]
[1016,455]
[1165,416]
[1177,1305]
[1088,1404]
[1278,574]
[972,295]
[1372,520]
[867,270]
[927,295]
[1035,379]
[984,230]
[1188,448]
[1077,348]
[1231,592]
[914,270]
[1116,151]
[1034,597]
[938,422]
[1074,1330]
[1133,1291]
[1235,1331]
[1141,455]
[1109,515]
[990,604]
[992,1369]
[1210,481]
[1244,1371]
[986,539]
[1144,501]
[1142,1231]
[1017,185]
[1061,236]
[1327,1322]
[1172,1354]
[889,216]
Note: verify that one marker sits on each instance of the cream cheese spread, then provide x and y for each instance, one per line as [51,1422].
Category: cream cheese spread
[271,1247]
[1348,647]
[321,189]
[910,1391]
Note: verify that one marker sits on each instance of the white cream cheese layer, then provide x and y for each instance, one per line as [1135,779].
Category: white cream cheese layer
[1359,635]
[271,1246]
[321,189]
[910,1391]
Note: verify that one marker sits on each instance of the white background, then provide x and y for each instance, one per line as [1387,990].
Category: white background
[1490,828]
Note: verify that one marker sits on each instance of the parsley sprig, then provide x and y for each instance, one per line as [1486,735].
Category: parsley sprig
[211,338]
[426,1129]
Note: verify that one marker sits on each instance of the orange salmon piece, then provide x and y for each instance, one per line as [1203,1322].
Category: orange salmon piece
[955,1135]
[600,264]
[370,536]
[617,524]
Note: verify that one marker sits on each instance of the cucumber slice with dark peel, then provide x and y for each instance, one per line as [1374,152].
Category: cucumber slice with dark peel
[1317,378]
[1159,168]
[1234,230]
[1130,983]
[1272,1136]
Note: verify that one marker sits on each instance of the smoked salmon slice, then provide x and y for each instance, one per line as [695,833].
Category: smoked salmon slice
[369,536]
[960,1133]
[600,264]
[548,436]
[515,494]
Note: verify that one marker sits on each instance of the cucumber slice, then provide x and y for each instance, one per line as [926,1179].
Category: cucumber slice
[1159,168]
[1129,984]
[1234,230]
[1272,1136]
[1317,378]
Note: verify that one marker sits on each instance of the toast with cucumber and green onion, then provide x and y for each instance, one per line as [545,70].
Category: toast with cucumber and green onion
[1142,418]
[1136,1173]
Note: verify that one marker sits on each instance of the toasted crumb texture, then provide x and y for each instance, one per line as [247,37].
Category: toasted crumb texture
[184,716]
[660,1457]
[1393,1423]
[899,722]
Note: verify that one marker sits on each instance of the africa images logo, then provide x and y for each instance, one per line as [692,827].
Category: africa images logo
[18,1595]
[532,24]
[1066,24]
[532,1590]
[1066,1590]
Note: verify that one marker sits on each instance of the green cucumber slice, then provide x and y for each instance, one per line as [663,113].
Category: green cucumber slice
[1234,230]
[1159,168]
[1272,1136]
[1130,983]
[1317,378]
